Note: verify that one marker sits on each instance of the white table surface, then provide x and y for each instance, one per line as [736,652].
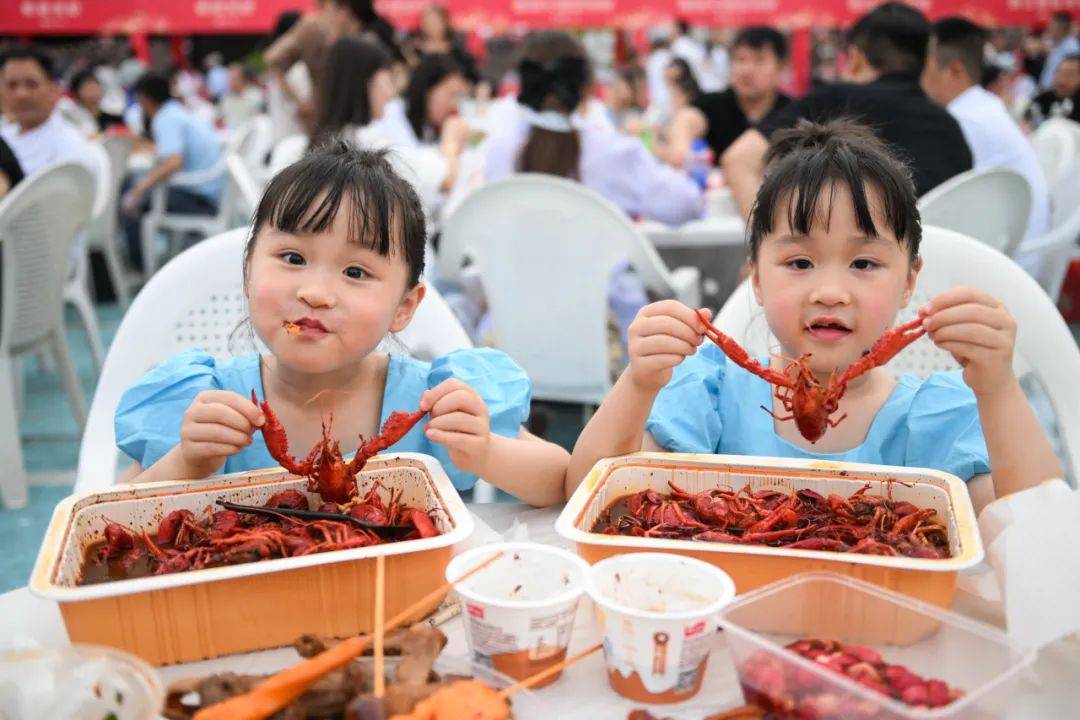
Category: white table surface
[1052,690]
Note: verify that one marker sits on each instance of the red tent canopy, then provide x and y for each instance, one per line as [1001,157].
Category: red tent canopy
[30,17]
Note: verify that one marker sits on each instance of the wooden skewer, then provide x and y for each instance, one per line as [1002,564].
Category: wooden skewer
[283,687]
[547,672]
[380,586]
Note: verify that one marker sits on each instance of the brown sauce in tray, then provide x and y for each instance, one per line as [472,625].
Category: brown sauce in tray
[94,571]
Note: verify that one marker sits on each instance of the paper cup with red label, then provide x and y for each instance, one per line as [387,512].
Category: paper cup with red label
[519,610]
[657,612]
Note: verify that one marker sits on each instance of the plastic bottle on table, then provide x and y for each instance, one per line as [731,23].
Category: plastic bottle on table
[700,163]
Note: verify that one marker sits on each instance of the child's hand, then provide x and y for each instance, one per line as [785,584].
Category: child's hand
[459,420]
[661,336]
[217,425]
[979,332]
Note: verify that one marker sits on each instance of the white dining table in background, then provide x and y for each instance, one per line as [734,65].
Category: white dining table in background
[1051,690]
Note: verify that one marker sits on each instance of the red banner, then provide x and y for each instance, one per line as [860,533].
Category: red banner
[182,17]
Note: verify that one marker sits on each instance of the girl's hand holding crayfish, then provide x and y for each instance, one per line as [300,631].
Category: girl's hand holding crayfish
[978,331]
[217,425]
[459,420]
[661,336]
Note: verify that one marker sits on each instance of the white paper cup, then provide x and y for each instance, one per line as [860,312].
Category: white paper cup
[519,610]
[658,614]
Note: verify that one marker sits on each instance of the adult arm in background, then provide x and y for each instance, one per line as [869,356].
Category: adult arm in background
[688,125]
[743,165]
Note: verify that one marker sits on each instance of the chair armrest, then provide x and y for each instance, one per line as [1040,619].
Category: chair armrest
[686,282]
[198,177]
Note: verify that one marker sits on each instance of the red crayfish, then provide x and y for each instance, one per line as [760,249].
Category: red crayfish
[799,390]
[784,690]
[327,472]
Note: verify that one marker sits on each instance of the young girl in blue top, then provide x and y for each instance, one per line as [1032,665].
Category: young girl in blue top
[337,249]
[834,254]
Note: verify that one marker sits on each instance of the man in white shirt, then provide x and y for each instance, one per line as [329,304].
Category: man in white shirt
[951,79]
[39,135]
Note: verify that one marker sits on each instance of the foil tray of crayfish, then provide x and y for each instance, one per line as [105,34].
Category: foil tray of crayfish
[749,517]
[249,603]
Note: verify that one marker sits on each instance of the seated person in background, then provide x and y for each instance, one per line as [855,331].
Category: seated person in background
[886,51]
[758,58]
[429,110]
[38,135]
[183,143]
[541,136]
[1063,97]
[954,66]
[436,36]
[355,96]
[87,92]
[244,100]
[626,99]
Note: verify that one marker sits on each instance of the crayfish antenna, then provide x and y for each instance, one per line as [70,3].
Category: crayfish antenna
[739,356]
[884,349]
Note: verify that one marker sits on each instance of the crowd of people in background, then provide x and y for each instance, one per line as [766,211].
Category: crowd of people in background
[648,131]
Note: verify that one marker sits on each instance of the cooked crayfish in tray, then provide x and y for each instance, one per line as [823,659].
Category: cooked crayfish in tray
[183,541]
[789,692]
[801,520]
[236,535]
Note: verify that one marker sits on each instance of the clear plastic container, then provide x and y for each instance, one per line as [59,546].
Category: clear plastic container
[931,642]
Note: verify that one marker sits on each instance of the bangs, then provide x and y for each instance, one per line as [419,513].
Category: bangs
[305,199]
[805,167]
[384,212]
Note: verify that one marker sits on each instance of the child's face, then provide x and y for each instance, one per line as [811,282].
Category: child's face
[344,296]
[831,293]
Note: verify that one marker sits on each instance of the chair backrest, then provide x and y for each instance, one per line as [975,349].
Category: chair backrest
[172,313]
[246,189]
[1044,346]
[545,248]
[39,221]
[992,205]
[259,143]
[286,152]
[1056,146]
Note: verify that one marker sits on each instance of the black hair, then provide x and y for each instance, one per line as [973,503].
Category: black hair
[760,37]
[683,25]
[154,86]
[28,52]
[684,79]
[305,197]
[429,72]
[554,72]
[990,74]
[959,39]
[806,160]
[285,22]
[893,37]
[1062,17]
[81,78]
[343,98]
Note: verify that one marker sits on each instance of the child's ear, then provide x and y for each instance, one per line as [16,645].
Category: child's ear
[407,307]
[909,284]
[755,281]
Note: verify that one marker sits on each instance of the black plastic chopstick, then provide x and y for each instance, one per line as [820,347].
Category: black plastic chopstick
[384,530]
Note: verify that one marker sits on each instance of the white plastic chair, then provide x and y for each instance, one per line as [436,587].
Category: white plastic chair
[246,190]
[77,287]
[1048,257]
[255,144]
[1044,346]
[39,221]
[545,248]
[1056,146]
[102,234]
[197,300]
[158,219]
[992,205]
[286,152]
